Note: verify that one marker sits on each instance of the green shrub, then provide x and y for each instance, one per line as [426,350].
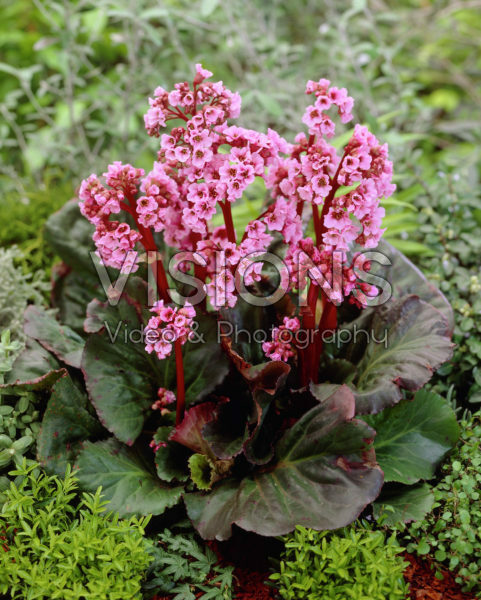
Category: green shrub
[450,224]
[451,533]
[8,351]
[354,562]
[183,565]
[58,544]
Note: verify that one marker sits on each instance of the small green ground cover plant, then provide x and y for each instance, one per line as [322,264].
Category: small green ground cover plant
[19,417]
[355,562]
[60,544]
[182,565]
[451,533]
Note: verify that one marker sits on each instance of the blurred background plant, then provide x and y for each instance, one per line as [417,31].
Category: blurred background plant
[75,74]
[450,224]
[18,287]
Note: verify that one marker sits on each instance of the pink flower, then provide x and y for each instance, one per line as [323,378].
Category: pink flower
[169,326]
[165,397]
[283,340]
[350,163]
[321,187]
[201,73]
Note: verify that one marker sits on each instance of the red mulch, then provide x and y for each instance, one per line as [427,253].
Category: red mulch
[425,585]
[250,585]
[248,553]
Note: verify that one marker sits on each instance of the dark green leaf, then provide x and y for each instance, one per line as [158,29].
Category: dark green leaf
[66,423]
[71,294]
[404,505]
[34,369]
[413,437]
[59,339]
[406,279]
[121,378]
[126,479]
[409,340]
[70,236]
[170,460]
[228,430]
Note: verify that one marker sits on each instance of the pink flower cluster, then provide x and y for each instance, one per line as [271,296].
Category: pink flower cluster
[113,239]
[220,103]
[308,263]
[326,96]
[164,398]
[281,347]
[168,326]
[365,163]
[227,262]
[205,164]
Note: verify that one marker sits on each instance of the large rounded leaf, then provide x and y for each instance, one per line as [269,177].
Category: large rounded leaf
[120,376]
[126,478]
[71,293]
[70,236]
[324,476]
[404,504]
[414,436]
[408,340]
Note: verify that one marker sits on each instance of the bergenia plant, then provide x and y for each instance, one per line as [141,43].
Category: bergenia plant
[238,381]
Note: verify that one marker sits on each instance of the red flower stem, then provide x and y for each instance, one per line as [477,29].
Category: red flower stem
[309,366]
[329,312]
[177,114]
[195,99]
[268,210]
[299,207]
[317,223]
[179,365]
[327,322]
[229,223]
[149,245]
